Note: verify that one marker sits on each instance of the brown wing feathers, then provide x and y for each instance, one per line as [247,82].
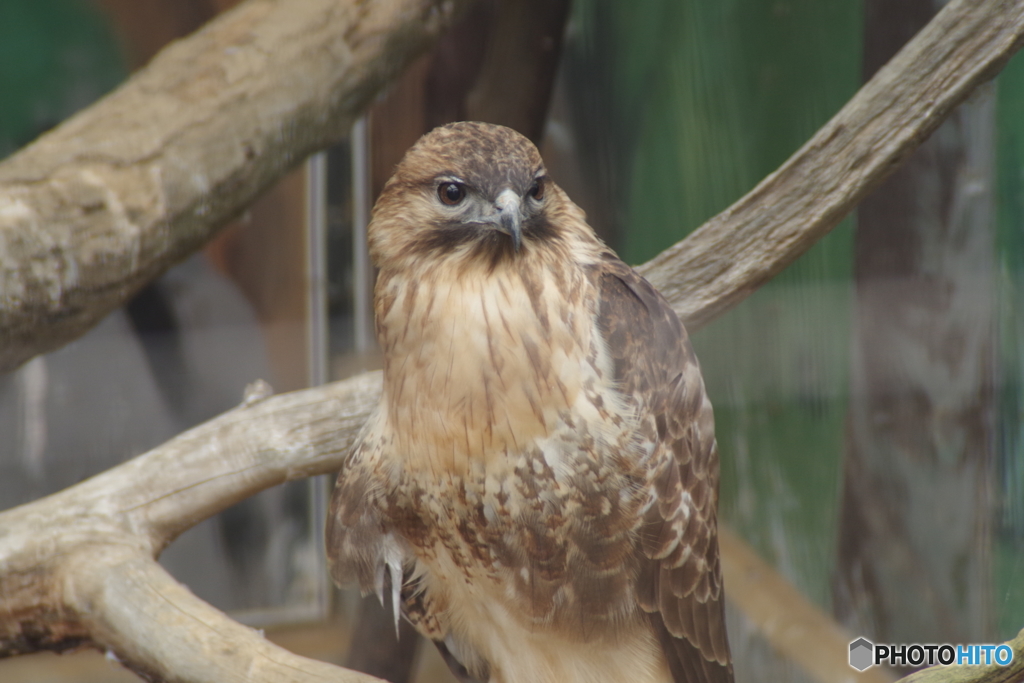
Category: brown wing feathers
[679,583]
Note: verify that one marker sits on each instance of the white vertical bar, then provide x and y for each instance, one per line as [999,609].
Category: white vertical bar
[316,236]
[318,351]
[362,269]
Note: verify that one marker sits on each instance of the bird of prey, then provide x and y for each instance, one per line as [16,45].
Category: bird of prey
[537,488]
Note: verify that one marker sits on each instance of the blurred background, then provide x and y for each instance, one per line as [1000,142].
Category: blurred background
[868,399]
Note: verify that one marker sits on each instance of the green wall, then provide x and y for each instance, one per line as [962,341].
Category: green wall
[56,56]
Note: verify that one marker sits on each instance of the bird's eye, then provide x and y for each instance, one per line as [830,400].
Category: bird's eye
[537,191]
[451,193]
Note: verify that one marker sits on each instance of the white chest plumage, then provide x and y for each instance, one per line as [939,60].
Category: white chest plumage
[512,472]
[480,365]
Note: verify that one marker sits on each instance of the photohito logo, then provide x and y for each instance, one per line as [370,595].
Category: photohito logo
[865,654]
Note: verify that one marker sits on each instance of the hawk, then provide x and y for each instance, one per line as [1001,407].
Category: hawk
[537,488]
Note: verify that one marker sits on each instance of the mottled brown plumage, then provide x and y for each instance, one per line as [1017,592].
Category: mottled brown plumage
[538,486]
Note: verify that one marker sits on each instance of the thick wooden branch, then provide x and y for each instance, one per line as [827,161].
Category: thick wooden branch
[78,566]
[164,633]
[729,257]
[126,188]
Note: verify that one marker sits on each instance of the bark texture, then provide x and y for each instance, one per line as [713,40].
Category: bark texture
[77,567]
[117,194]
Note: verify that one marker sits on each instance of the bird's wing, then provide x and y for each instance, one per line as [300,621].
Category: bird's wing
[358,547]
[680,582]
[361,548]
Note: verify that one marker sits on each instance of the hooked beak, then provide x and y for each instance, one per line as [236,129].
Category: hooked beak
[509,218]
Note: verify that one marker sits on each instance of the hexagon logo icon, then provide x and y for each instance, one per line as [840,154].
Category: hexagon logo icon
[861,654]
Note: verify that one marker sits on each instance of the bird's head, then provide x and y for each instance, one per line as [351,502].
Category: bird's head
[468,189]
